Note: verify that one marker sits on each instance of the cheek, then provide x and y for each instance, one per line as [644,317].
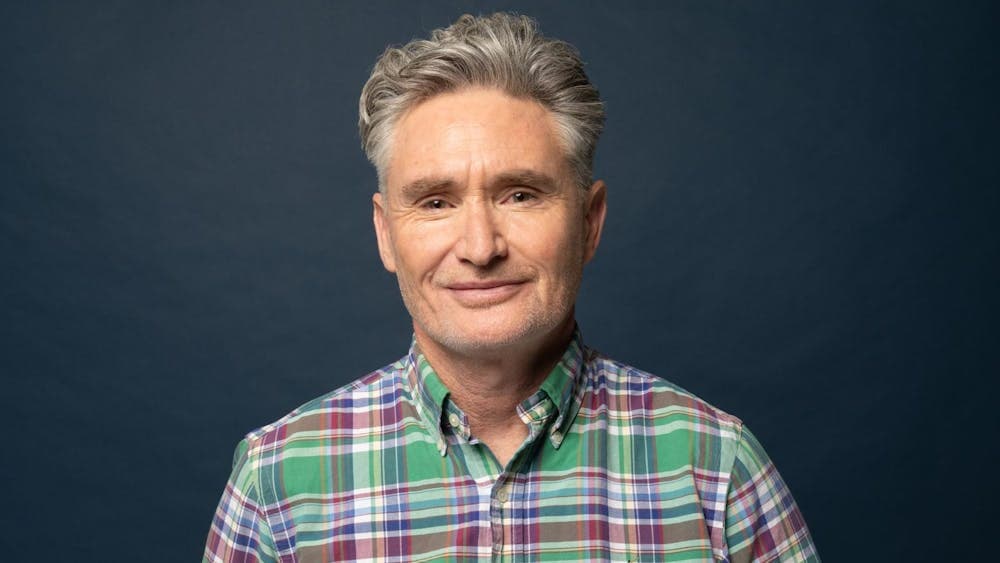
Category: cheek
[419,249]
[558,250]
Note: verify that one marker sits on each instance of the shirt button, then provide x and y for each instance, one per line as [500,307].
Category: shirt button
[502,495]
[454,421]
[557,436]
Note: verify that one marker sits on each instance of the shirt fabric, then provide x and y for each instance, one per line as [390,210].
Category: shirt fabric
[618,465]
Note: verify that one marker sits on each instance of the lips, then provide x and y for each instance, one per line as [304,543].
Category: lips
[484,293]
[484,284]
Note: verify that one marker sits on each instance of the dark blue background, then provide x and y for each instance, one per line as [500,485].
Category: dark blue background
[802,230]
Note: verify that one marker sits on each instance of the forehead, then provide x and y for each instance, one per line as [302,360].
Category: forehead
[473,134]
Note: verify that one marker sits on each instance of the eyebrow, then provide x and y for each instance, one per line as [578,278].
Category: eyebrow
[422,186]
[524,177]
[417,188]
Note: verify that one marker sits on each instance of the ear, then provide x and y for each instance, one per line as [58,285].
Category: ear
[595,208]
[382,234]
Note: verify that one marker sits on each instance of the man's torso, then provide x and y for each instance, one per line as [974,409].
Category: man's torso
[622,467]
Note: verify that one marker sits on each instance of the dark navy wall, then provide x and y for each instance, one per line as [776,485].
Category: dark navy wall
[802,230]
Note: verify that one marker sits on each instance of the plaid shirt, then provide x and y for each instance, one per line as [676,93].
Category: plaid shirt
[618,465]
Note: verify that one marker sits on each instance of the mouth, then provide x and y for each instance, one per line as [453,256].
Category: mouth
[484,293]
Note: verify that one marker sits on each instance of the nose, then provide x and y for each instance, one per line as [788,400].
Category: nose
[481,241]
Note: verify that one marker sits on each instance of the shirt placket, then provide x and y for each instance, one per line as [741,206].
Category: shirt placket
[500,524]
[508,504]
[475,461]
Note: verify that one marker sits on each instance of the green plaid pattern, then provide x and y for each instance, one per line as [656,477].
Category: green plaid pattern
[619,465]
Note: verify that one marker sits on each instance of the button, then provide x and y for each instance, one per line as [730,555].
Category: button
[454,421]
[502,495]
[497,538]
[557,436]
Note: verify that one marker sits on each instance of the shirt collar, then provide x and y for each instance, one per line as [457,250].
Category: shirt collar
[429,393]
[559,389]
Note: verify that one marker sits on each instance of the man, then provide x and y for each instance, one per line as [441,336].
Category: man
[499,436]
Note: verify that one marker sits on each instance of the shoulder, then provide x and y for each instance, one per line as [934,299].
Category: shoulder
[647,395]
[332,413]
[748,509]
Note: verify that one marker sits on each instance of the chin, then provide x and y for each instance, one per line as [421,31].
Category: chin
[481,341]
[491,338]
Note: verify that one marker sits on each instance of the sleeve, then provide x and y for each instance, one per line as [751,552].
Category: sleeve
[763,523]
[239,530]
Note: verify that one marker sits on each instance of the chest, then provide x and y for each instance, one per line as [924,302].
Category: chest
[436,510]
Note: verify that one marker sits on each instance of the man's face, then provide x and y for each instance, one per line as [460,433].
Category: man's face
[482,223]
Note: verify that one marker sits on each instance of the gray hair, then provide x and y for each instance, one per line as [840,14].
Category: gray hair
[503,51]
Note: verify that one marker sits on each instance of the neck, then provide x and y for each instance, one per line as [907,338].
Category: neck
[488,385]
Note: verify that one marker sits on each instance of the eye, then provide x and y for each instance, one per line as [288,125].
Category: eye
[435,204]
[521,197]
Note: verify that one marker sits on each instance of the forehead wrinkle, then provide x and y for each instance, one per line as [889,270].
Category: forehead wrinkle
[436,139]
